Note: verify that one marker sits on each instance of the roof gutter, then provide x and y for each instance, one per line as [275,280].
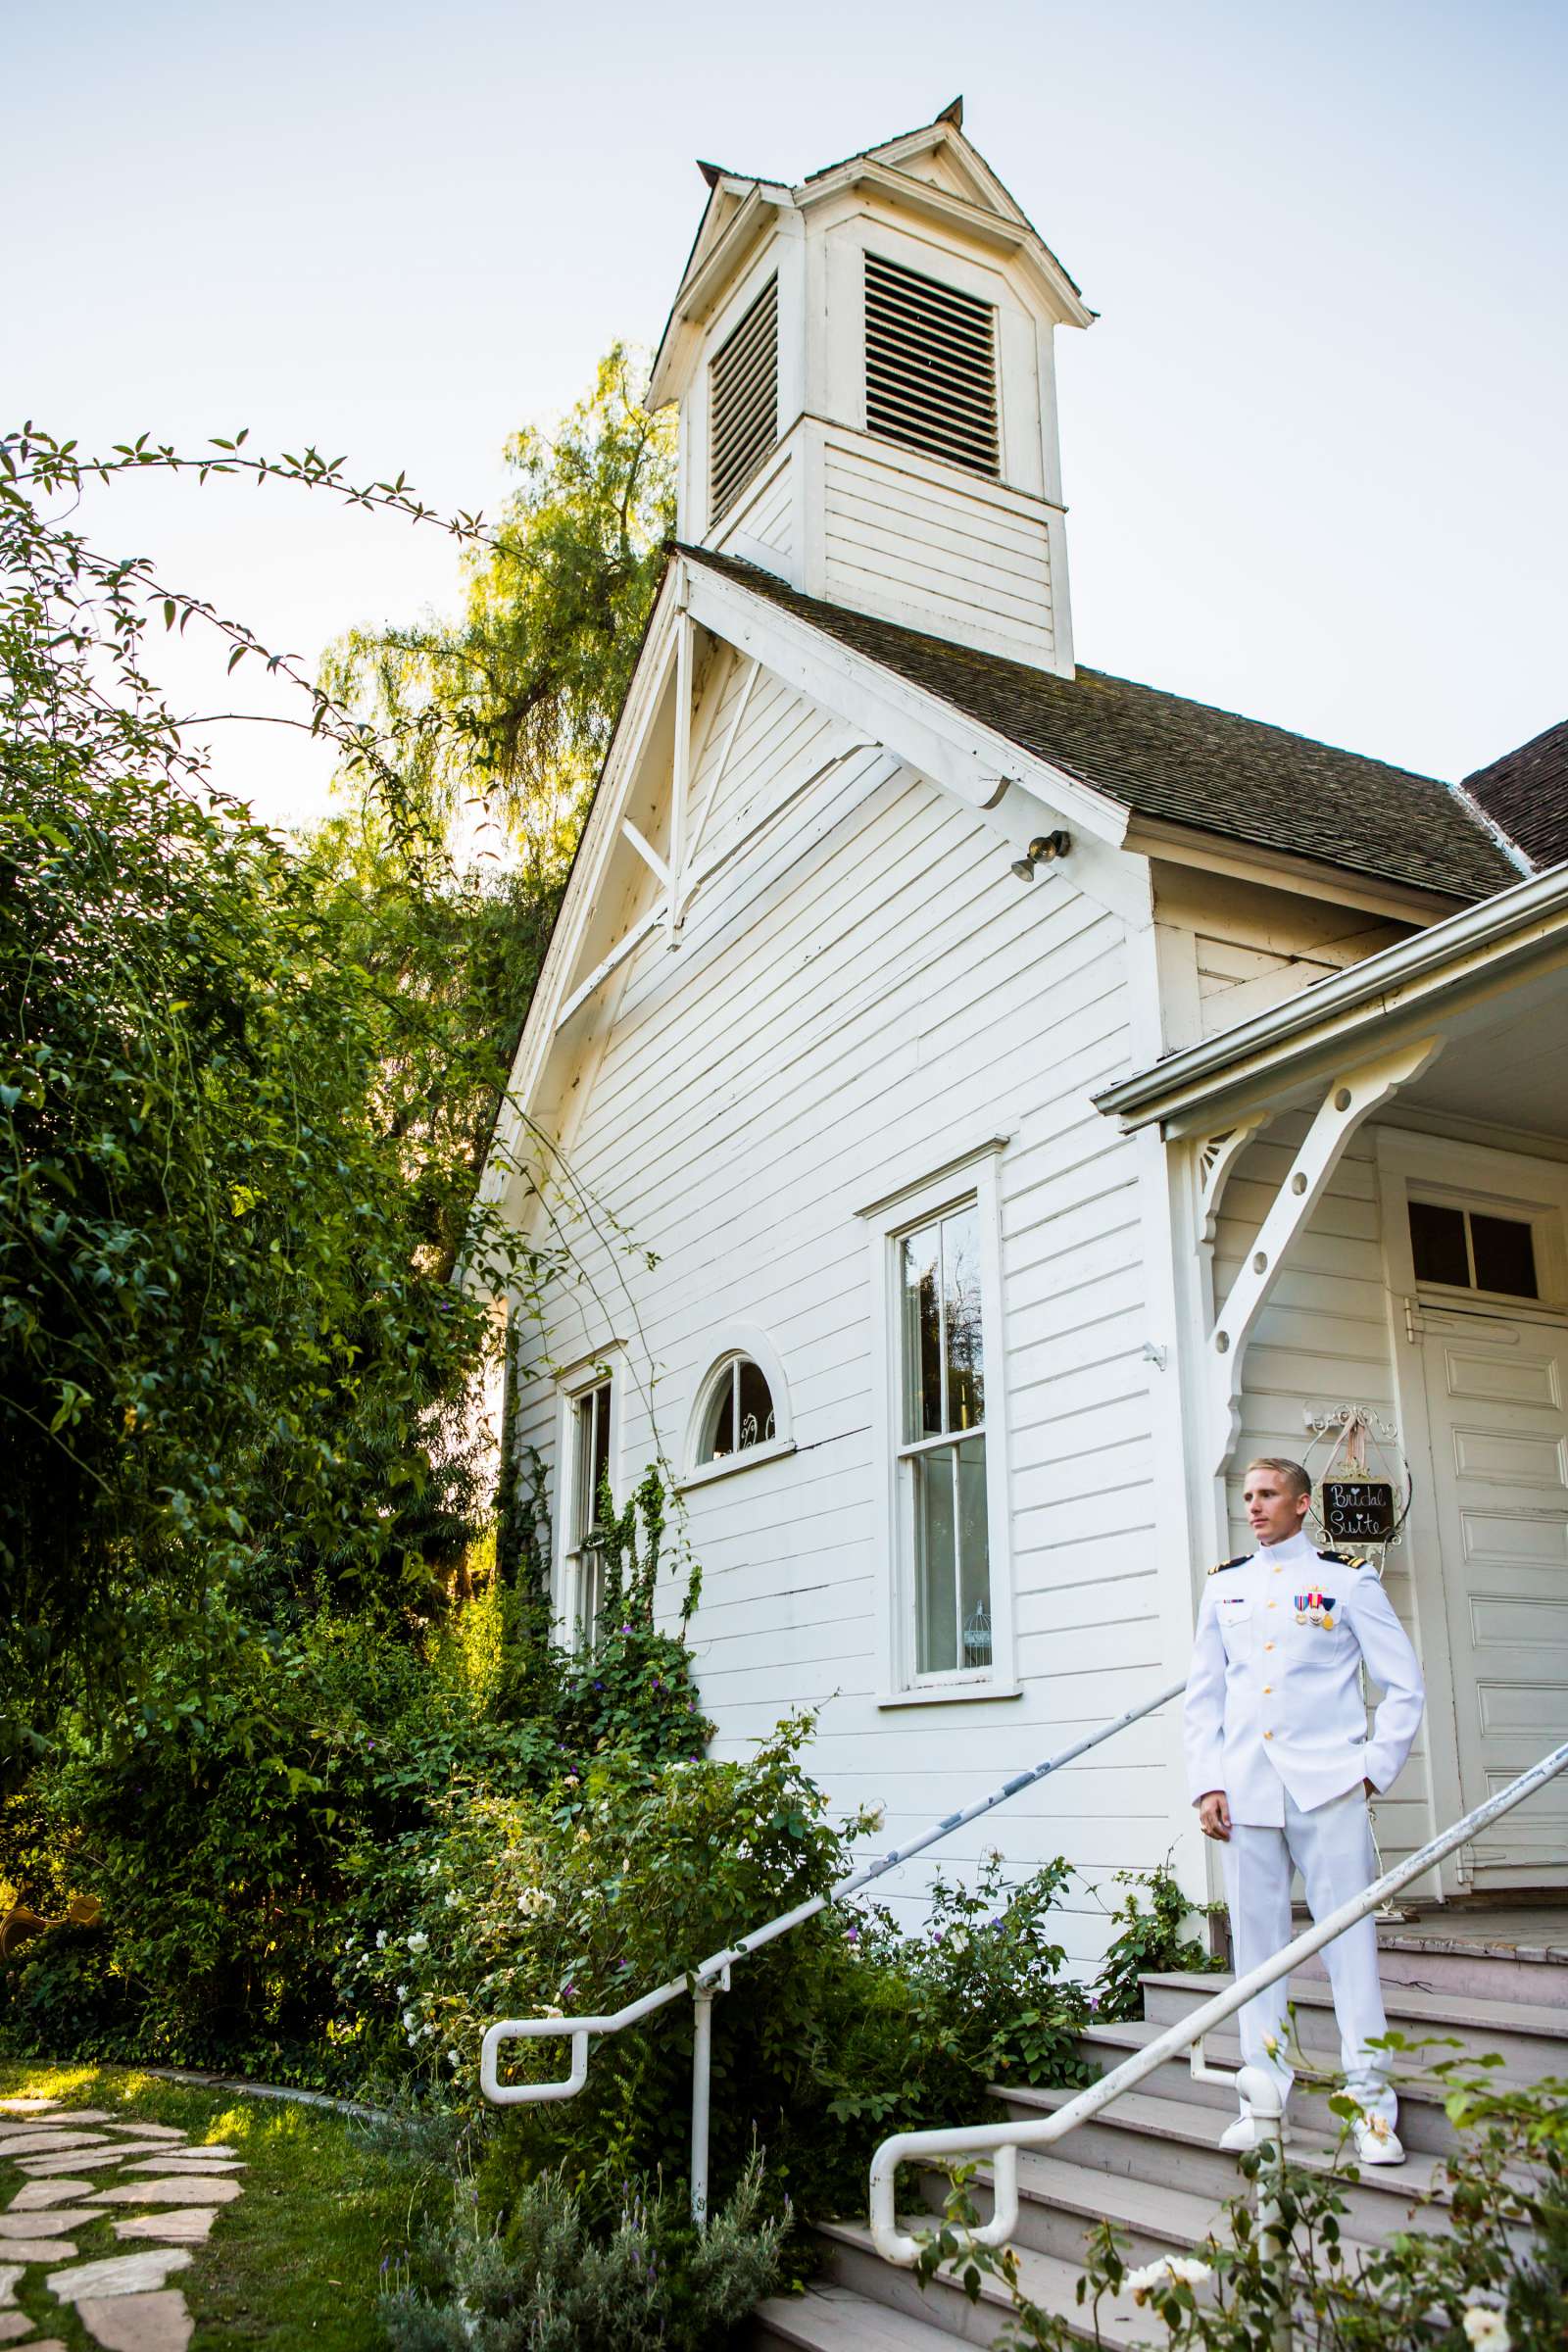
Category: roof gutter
[1513,921]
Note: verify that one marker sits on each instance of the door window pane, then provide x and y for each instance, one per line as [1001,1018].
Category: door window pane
[1506,1256]
[1436,1244]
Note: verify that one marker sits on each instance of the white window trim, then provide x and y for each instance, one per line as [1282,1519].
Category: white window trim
[572,1383]
[740,1340]
[1474,1176]
[975,1177]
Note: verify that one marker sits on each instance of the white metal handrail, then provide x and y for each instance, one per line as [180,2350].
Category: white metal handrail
[1003,2141]
[713,1973]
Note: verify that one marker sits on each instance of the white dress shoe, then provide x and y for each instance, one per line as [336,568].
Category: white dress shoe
[1249,2132]
[1377,2141]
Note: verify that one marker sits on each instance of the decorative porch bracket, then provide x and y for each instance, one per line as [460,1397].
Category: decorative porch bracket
[1350,1097]
[1217,1157]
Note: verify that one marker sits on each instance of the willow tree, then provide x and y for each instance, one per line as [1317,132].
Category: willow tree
[509,711]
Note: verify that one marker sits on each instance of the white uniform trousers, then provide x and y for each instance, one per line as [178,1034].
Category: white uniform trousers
[1332,1847]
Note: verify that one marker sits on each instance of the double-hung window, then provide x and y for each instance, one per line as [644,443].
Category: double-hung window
[942,1450]
[587,1467]
[937,1278]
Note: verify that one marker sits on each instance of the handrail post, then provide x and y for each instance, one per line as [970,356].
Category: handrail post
[702,2096]
[1261,2092]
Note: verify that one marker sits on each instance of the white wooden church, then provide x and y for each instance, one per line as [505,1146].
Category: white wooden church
[1037,1093]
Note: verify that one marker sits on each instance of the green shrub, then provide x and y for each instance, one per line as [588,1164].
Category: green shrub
[552,2283]
[241,1815]
[1150,1943]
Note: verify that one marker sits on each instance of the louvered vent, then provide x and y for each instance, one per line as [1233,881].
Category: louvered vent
[930,366]
[745,400]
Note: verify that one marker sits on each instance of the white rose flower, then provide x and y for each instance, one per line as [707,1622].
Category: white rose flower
[419,1940]
[1172,2270]
[429,2032]
[410,2021]
[454,2058]
[452,1898]
[380,1940]
[877,1816]
[403,1992]
[1487,2328]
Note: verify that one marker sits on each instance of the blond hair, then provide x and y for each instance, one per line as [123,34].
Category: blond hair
[1292,1472]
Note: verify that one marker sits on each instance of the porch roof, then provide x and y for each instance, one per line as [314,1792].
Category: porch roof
[1489,984]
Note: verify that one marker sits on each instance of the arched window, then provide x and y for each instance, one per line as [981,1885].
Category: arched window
[741,1411]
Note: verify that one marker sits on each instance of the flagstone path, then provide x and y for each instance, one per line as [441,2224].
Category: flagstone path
[83,2166]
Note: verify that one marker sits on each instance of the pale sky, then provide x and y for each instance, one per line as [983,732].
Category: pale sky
[1313,448]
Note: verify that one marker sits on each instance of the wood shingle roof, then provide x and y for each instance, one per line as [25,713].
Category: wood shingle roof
[1526,793]
[1180,761]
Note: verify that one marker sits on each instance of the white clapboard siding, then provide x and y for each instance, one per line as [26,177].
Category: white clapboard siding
[762,523]
[971,563]
[1322,1340]
[865,989]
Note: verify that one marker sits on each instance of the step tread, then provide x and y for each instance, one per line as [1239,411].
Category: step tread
[1046,2279]
[1450,2010]
[1184,2215]
[1136,2033]
[1145,2114]
[835,2319]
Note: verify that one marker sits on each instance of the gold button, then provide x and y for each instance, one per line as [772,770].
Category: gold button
[1273,1604]
[1268,1688]
[1268,1734]
[1269,1644]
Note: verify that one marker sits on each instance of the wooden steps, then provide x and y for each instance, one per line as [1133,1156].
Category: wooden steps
[1151,2163]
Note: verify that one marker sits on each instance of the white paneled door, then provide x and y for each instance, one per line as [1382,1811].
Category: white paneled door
[1497,1389]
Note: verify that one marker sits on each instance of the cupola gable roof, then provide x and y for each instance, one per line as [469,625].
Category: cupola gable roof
[932,167]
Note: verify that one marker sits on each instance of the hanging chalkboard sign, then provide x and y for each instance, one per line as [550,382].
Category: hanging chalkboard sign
[1357,1510]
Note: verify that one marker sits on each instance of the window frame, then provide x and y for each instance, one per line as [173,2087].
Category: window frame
[974,1178]
[572,1385]
[1468,1204]
[743,1341]
[1492,1179]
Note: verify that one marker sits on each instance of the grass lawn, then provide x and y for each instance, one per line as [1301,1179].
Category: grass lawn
[297,2258]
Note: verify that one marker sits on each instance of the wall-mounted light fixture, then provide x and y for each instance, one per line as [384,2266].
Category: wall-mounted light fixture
[1041,851]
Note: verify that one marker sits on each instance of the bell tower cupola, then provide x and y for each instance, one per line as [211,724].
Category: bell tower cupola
[864,367]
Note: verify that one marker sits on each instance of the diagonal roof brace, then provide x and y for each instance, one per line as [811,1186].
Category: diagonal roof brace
[1351,1097]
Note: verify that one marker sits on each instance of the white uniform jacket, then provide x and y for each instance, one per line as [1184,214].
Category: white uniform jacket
[1274,1703]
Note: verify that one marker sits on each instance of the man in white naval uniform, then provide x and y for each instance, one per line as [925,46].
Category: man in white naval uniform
[1280,1766]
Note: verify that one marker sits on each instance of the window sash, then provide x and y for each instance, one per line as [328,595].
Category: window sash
[946,1530]
[583,1553]
[943,1514]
